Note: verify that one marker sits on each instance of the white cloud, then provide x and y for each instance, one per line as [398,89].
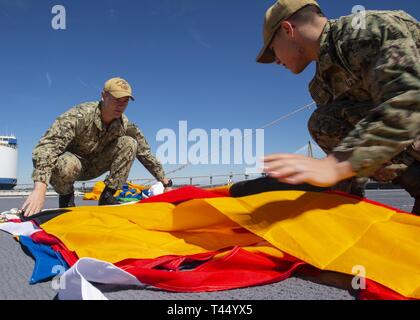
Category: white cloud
[199,38]
[49,80]
[84,84]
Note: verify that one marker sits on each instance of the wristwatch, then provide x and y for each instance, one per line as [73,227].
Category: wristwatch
[169,184]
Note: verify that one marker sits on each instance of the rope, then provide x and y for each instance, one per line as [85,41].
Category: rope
[272,123]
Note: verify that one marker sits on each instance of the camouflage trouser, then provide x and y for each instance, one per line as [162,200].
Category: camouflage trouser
[329,125]
[117,158]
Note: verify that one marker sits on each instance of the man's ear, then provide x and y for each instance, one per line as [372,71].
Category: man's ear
[288,29]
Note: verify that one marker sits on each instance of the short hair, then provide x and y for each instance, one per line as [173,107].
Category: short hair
[306,14]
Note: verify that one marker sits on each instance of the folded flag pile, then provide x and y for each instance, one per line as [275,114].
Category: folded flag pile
[129,193]
[192,240]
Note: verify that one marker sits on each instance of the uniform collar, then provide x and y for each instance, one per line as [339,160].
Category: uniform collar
[119,124]
[324,56]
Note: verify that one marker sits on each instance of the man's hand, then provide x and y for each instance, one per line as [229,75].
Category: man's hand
[296,169]
[165,181]
[35,202]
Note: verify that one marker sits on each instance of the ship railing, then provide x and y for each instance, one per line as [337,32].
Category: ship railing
[11,146]
[204,181]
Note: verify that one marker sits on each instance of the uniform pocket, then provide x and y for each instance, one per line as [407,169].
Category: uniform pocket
[320,93]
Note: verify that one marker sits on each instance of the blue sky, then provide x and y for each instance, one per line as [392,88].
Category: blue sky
[188,60]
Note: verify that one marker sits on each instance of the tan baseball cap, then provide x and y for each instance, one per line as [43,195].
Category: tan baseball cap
[275,15]
[119,88]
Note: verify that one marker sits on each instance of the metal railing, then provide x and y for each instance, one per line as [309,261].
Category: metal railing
[201,181]
[10,146]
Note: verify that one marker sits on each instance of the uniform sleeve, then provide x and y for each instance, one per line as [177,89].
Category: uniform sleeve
[391,72]
[52,145]
[144,152]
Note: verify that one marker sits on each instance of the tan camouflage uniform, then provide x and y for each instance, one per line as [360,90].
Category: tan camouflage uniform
[367,89]
[78,147]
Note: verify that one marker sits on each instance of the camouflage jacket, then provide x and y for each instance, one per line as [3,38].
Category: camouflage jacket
[80,131]
[378,66]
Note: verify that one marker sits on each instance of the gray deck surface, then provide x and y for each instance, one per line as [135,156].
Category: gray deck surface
[16,268]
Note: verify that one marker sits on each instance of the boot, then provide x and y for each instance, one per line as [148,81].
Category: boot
[355,186]
[410,181]
[66,201]
[107,197]
[416,208]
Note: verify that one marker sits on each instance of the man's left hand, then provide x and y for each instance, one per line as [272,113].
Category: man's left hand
[297,169]
[165,181]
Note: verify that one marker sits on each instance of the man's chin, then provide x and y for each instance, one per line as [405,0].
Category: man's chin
[297,70]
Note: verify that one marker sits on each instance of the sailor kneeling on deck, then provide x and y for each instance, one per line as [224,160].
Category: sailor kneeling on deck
[87,141]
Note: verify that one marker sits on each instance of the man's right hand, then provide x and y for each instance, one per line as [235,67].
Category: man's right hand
[35,202]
